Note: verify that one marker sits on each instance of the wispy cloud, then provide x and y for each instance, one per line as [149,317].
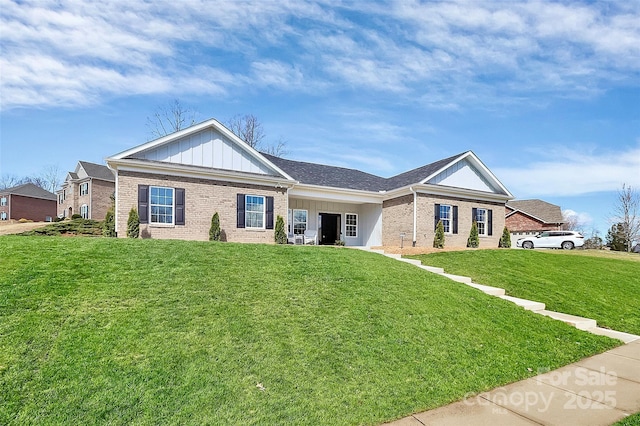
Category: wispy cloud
[573,172]
[440,54]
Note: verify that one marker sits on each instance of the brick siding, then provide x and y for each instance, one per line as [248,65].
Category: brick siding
[397,217]
[100,192]
[519,222]
[202,199]
[21,207]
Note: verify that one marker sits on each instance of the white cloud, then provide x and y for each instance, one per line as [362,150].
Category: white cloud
[580,218]
[570,173]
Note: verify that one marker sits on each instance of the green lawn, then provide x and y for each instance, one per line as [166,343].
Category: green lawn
[96,330]
[583,283]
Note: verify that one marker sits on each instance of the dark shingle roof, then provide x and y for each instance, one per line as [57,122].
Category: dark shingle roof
[340,177]
[547,212]
[98,171]
[331,176]
[30,190]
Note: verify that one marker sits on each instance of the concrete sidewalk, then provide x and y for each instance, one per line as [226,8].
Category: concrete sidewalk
[599,390]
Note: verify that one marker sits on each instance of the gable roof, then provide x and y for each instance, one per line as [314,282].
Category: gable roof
[537,209]
[419,174]
[331,176]
[97,171]
[30,190]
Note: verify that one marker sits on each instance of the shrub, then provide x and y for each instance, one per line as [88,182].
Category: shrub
[438,240]
[214,231]
[280,235]
[474,240]
[133,224]
[109,226]
[76,216]
[58,219]
[505,240]
[23,220]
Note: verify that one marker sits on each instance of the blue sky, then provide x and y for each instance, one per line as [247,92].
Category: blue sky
[546,93]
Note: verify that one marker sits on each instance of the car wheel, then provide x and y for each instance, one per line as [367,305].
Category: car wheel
[527,245]
[567,245]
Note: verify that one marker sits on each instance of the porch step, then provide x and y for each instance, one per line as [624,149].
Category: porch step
[625,337]
[578,322]
[458,278]
[529,305]
[492,291]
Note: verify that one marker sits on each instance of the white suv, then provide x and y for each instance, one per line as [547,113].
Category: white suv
[552,239]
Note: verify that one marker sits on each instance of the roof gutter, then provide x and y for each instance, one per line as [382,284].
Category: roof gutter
[415,214]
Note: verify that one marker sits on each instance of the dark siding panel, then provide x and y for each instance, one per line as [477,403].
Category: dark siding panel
[490,222]
[240,218]
[269,212]
[436,216]
[143,203]
[474,214]
[455,219]
[180,206]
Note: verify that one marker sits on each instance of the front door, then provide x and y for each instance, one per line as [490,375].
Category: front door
[329,228]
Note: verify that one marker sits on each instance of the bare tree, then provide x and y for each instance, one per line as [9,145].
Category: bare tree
[9,181]
[51,178]
[626,213]
[170,119]
[572,221]
[248,128]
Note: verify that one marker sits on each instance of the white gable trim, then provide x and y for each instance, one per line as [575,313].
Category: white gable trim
[475,162]
[213,123]
[448,191]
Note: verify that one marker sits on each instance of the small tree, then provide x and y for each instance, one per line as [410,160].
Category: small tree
[280,235]
[616,238]
[109,226]
[505,240]
[438,240]
[133,224]
[214,231]
[474,240]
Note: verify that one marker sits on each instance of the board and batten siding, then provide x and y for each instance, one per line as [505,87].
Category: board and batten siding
[207,148]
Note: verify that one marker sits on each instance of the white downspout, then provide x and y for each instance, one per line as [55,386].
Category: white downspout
[415,215]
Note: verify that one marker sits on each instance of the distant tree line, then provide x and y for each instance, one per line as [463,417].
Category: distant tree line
[49,179]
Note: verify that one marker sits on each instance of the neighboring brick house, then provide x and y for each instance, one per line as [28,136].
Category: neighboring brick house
[86,191]
[530,217]
[27,201]
[179,181]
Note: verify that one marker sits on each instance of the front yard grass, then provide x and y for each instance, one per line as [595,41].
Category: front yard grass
[118,331]
[591,284]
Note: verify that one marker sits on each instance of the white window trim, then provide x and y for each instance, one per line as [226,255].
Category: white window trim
[173,206]
[84,211]
[81,186]
[449,219]
[264,212]
[484,222]
[306,223]
[3,201]
[347,225]
[3,215]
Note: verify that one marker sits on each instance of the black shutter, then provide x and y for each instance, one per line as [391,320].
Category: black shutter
[240,221]
[143,203]
[179,206]
[269,212]
[474,214]
[490,222]
[436,216]
[455,219]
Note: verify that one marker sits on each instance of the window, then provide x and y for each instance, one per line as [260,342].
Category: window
[445,217]
[84,211]
[481,220]
[254,211]
[351,225]
[3,216]
[299,221]
[161,205]
[84,188]
[3,201]
[60,199]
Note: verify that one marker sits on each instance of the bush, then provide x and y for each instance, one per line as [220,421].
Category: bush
[133,224]
[214,231]
[23,220]
[76,216]
[438,240]
[280,235]
[109,226]
[474,240]
[58,219]
[505,240]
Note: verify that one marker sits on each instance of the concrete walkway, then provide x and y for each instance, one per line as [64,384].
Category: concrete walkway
[599,390]
[594,391]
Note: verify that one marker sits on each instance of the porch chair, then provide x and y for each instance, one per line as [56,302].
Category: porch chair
[311,237]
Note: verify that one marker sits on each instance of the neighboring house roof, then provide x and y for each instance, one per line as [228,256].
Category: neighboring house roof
[73,175]
[97,171]
[537,209]
[30,190]
[331,176]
